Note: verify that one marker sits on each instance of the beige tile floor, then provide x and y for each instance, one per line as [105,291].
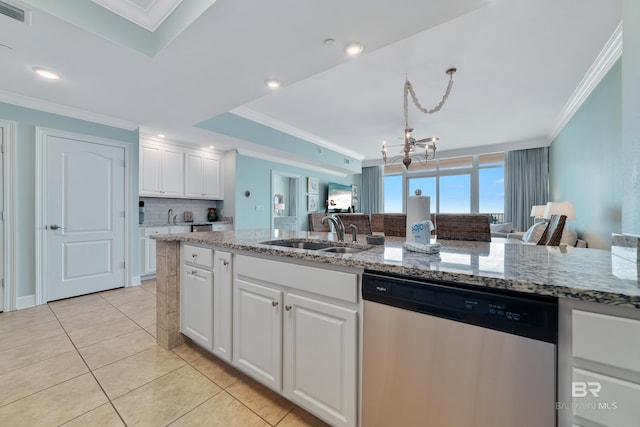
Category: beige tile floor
[93,361]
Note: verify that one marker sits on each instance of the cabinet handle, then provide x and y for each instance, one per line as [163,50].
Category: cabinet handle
[225,263]
[194,255]
[274,303]
[288,307]
[194,272]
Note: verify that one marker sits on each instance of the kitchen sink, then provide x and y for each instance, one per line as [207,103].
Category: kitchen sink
[321,246]
[312,246]
[344,250]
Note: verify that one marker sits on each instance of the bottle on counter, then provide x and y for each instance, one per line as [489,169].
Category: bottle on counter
[212,215]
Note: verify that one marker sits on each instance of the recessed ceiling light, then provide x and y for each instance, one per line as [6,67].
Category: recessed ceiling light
[329,42]
[273,84]
[211,146]
[354,49]
[47,74]
[161,135]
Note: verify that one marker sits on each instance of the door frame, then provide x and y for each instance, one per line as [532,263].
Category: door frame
[8,129]
[41,260]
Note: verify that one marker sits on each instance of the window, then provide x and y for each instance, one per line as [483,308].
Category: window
[470,184]
[491,189]
[425,184]
[455,194]
[393,193]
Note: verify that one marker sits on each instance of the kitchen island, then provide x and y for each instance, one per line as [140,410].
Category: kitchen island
[598,293]
[576,273]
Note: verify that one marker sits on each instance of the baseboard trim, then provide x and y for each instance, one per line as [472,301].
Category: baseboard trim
[135,281]
[25,302]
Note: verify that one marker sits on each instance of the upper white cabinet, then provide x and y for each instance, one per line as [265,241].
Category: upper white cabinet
[203,176]
[168,170]
[161,171]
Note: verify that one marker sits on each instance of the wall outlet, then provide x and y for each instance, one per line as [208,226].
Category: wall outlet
[259,207]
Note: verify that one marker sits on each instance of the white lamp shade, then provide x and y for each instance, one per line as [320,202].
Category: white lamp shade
[559,208]
[537,211]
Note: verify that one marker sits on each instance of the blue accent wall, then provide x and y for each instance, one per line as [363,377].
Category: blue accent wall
[27,120]
[254,175]
[238,127]
[585,163]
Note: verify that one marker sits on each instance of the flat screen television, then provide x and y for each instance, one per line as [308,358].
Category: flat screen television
[339,196]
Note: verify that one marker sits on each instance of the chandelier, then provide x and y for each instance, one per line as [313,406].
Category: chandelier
[424,149]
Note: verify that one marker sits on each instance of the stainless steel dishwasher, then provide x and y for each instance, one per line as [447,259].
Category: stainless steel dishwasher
[445,355]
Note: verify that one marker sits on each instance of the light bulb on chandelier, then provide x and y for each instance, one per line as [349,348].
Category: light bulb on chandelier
[411,147]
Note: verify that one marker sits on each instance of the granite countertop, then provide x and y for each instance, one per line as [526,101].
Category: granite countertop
[578,273]
[169,224]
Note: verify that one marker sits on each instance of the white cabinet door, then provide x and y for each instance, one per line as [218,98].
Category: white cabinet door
[320,358]
[173,173]
[257,332]
[193,175]
[203,176]
[196,304]
[150,170]
[212,177]
[149,256]
[222,309]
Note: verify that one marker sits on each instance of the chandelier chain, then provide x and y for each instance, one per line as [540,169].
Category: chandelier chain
[408,89]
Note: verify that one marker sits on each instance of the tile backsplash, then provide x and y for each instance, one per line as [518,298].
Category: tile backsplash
[156,209]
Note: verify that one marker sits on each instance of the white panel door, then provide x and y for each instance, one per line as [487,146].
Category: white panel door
[85,204]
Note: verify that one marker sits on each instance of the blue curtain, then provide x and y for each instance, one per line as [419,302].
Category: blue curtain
[372,198]
[526,183]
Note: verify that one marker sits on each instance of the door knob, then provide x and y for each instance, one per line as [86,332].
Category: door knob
[56,227]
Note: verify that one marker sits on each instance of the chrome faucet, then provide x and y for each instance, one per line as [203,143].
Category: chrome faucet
[169,216]
[354,232]
[338,226]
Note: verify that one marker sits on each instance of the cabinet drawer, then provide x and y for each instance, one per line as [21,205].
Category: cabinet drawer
[150,231]
[611,340]
[195,255]
[616,403]
[330,283]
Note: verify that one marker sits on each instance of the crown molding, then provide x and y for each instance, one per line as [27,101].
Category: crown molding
[252,115]
[63,110]
[608,56]
[291,162]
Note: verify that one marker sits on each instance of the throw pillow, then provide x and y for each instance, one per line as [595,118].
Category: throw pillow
[534,233]
[505,227]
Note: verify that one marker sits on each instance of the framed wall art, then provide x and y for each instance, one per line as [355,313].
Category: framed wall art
[312,203]
[312,185]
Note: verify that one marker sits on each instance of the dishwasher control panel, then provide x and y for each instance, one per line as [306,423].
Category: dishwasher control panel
[525,315]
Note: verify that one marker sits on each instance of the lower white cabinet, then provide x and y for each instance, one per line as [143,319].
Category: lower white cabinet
[222,306]
[301,344]
[598,365]
[196,295]
[148,248]
[320,353]
[257,332]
